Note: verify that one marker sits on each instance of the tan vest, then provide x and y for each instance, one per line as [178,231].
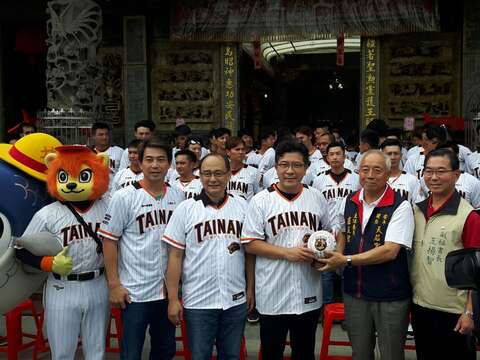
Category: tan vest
[432,241]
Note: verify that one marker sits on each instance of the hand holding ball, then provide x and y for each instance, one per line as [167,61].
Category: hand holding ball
[320,241]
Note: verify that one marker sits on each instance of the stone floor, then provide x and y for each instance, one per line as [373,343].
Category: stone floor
[251,335]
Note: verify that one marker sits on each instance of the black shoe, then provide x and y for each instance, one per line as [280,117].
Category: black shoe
[253,317]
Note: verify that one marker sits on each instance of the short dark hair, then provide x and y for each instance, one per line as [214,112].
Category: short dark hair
[182,130]
[218,132]
[336,144]
[370,137]
[234,142]
[434,131]
[134,143]
[305,130]
[243,132]
[449,145]
[379,126]
[289,147]
[192,140]
[394,132]
[331,137]
[418,132]
[444,152]
[154,142]
[265,133]
[189,154]
[99,125]
[145,123]
[223,157]
[391,142]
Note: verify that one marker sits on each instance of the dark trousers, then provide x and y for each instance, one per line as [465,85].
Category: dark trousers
[302,328]
[435,338]
[136,318]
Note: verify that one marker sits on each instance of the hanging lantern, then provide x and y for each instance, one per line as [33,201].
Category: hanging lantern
[341,50]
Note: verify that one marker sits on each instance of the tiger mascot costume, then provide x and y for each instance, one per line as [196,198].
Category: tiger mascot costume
[76,292]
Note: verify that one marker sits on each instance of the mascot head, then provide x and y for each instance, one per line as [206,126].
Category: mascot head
[75,173]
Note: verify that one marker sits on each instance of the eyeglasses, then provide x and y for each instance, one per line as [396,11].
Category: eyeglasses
[438,172]
[287,165]
[215,174]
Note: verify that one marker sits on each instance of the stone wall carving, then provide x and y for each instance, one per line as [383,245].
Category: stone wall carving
[185,84]
[420,74]
[73,73]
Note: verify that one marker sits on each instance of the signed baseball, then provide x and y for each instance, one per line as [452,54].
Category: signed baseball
[320,241]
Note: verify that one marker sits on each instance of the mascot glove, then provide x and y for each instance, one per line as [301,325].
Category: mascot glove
[60,264]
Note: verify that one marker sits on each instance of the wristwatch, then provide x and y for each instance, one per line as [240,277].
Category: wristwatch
[468,313]
[349,261]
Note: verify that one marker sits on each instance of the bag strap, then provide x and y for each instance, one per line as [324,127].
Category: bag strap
[80,219]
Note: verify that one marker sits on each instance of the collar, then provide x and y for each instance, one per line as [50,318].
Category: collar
[449,207]
[386,199]
[237,171]
[203,197]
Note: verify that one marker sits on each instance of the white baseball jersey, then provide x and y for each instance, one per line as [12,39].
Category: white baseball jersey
[189,188]
[213,275]
[58,220]
[334,191]
[271,177]
[136,219]
[253,158]
[243,182]
[467,185]
[414,165]
[472,164]
[414,151]
[315,156]
[321,167]
[125,177]
[281,286]
[408,186]
[124,162]
[266,163]
[114,157]
[351,155]
[463,154]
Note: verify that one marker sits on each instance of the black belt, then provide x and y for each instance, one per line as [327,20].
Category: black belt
[80,277]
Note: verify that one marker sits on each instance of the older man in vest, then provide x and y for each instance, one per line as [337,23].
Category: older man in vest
[378,227]
[441,316]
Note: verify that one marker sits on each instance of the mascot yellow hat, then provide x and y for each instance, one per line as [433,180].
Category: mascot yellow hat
[28,154]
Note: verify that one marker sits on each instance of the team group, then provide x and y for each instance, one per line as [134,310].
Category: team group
[210,235]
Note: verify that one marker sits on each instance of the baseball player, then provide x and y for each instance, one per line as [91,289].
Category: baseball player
[204,238]
[101,138]
[400,181]
[143,131]
[130,174]
[288,288]
[472,164]
[136,259]
[432,136]
[304,134]
[186,181]
[266,139]
[467,185]
[242,181]
[335,184]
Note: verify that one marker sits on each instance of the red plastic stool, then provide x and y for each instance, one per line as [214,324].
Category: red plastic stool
[15,335]
[185,352]
[332,312]
[116,315]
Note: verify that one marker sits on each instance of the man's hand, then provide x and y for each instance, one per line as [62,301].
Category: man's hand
[175,312]
[62,263]
[119,296]
[333,260]
[299,254]
[464,325]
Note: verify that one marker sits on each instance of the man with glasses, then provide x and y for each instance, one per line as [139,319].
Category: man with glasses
[205,252]
[378,226]
[288,288]
[444,222]
[136,259]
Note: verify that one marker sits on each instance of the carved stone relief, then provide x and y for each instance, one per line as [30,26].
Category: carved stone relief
[73,73]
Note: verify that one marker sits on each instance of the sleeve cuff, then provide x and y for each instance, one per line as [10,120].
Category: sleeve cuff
[108,235]
[249,240]
[172,242]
